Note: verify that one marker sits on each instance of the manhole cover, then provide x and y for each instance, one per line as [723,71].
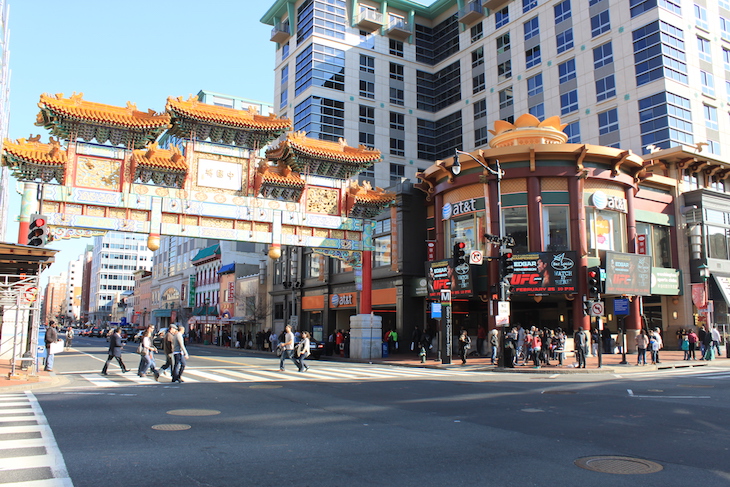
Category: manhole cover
[618,465]
[171,427]
[193,412]
[264,386]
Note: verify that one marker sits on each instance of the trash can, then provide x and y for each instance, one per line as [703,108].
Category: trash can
[385,349]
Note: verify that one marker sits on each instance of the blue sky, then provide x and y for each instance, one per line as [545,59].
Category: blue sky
[135,50]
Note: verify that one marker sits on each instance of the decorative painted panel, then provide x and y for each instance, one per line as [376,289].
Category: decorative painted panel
[322,200]
[98,173]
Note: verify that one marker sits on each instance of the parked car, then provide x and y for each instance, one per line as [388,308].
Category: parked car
[95,332]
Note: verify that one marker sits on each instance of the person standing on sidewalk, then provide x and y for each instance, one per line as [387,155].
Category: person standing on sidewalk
[464,345]
[287,348]
[51,337]
[581,347]
[116,344]
[167,348]
[494,344]
[642,341]
[148,357]
[692,344]
[180,353]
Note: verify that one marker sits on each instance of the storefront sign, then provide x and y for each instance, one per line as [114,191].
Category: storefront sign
[544,272]
[602,201]
[641,244]
[430,250]
[441,275]
[346,300]
[664,281]
[231,292]
[191,294]
[699,296]
[461,207]
[628,274]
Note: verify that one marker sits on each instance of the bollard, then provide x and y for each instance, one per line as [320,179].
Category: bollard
[422,354]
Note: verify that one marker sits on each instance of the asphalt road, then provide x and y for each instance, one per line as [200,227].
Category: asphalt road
[363,425]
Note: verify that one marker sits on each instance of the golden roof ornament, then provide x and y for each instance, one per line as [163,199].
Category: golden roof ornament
[528,130]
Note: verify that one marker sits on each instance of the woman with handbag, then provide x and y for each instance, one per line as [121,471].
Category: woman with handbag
[147,361]
[302,351]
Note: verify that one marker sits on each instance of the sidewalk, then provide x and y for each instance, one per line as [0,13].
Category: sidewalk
[23,379]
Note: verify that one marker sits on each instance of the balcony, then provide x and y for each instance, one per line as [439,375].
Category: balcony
[399,29]
[280,33]
[370,20]
[493,5]
[471,13]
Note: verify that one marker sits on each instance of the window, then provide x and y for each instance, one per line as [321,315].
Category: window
[532,57]
[503,44]
[658,243]
[564,40]
[606,230]
[367,139]
[724,4]
[480,136]
[605,88]
[321,118]
[515,224]
[600,23]
[710,117]
[566,70]
[367,115]
[572,130]
[323,18]
[501,17]
[480,109]
[534,85]
[713,147]
[367,63]
[477,32]
[397,96]
[538,111]
[608,121]
[396,48]
[397,171]
[726,58]
[562,11]
[285,51]
[397,121]
[504,71]
[665,121]
[397,148]
[602,55]
[703,47]
[556,224]
[725,28]
[701,17]
[382,253]
[319,65]
[505,98]
[672,5]
[312,265]
[659,56]
[708,83]
[479,83]
[528,5]
[396,71]
[532,28]
[477,57]
[367,40]
[367,89]
[569,102]
[283,99]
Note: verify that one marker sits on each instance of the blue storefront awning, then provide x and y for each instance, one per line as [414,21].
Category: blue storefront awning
[228,268]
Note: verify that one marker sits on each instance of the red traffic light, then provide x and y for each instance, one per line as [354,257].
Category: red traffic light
[39,222]
[592,274]
[507,255]
[461,245]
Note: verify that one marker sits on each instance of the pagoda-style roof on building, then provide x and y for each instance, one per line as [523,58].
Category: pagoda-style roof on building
[365,202]
[209,253]
[323,158]
[74,118]
[278,182]
[162,167]
[192,119]
[29,159]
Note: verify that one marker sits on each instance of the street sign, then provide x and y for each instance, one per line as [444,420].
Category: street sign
[30,294]
[476,257]
[446,295]
[621,306]
[503,308]
[596,308]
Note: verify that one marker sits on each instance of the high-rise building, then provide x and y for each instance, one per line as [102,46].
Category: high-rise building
[419,81]
[116,257]
[4,110]
[74,284]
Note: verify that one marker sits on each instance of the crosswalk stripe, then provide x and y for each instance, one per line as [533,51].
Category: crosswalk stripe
[206,375]
[99,380]
[251,377]
[12,419]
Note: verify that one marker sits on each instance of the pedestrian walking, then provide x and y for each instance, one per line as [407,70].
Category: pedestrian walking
[51,337]
[464,346]
[287,348]
[167,348]
[715,334]
[642,341]
[116,344]
[147,361]
[581,347]
[69,338]
[302,351]
[180,354]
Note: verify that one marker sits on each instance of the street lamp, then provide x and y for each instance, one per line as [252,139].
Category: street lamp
[704,271]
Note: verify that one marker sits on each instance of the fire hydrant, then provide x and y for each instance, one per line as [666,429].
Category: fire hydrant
[422,354]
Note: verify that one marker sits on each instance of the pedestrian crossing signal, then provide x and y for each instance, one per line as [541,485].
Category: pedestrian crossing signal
[38,234]
[459,256]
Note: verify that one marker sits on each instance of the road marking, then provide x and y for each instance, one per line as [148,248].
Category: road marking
[206,375]
[631,394]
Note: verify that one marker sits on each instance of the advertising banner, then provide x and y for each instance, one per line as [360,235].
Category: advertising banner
[544,273]
[628,274]
[665,281]
[442,275]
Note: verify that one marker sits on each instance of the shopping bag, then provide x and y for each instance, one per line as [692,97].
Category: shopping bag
[56,347]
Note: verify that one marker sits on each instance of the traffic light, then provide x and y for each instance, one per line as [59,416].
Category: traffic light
[504,291]
[594,282]
[586,307]
[507,265]
[38,234]
[459,254]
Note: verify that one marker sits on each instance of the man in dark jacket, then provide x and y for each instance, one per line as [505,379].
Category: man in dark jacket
[167,347]
[51,337]
[115,350]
